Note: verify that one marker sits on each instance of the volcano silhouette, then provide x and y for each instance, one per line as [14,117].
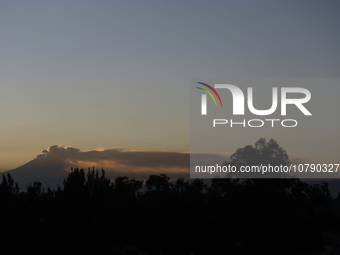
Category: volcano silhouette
[39,169]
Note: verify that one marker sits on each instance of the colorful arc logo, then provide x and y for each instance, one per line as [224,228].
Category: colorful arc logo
[204,97]
[213,90]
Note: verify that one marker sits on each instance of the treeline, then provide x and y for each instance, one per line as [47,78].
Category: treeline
[92,215]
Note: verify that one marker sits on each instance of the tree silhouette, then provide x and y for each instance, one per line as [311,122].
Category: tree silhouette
[158,182]
[75,182]
[8,187]
[92,215]
[262,154]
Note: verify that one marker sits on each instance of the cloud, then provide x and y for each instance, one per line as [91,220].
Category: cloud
[118,162]
[53,164]
[132,163]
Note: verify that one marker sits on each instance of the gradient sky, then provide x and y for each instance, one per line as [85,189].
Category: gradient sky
[116,74]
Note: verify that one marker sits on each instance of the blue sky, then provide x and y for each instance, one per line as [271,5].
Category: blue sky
[116,74]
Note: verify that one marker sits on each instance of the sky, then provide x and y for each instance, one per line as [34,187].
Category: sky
[101,75]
